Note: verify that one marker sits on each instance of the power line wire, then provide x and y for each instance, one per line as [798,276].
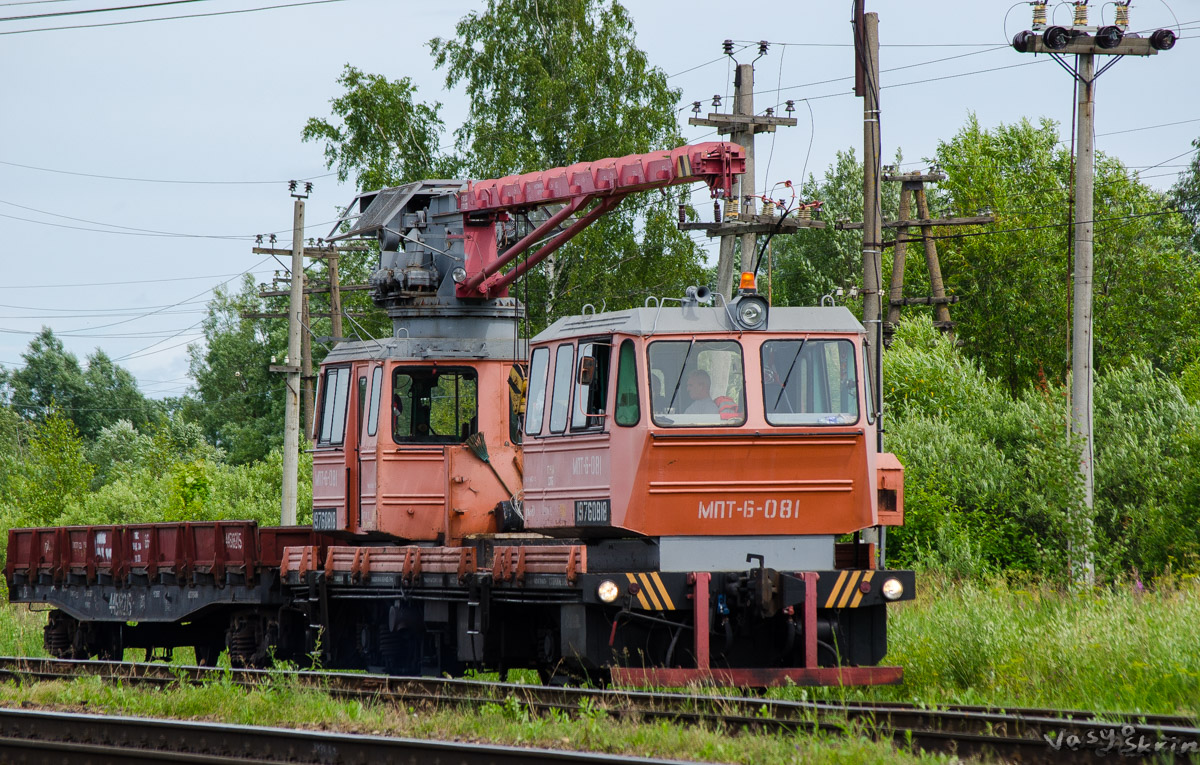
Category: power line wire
[86,11]
[123,283]
[159,180]
[171,18]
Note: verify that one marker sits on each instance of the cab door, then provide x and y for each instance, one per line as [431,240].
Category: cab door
[371,386]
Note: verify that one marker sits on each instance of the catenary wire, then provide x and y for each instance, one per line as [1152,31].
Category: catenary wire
[160,180]
[171,18]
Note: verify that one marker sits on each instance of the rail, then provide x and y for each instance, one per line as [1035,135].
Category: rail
[1025,735]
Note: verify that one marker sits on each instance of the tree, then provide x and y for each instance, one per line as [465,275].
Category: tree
[53,380]
[1186,193]
[1014,278]
[239,401]
[814,263]
[559,82]
[381,135]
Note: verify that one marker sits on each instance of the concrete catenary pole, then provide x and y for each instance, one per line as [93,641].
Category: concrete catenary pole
[872,166]
[743,105]
[745,139]
[1083,567]
[291,429]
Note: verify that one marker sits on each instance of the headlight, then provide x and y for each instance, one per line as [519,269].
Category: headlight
[608,591]
[750,311]
[892,589]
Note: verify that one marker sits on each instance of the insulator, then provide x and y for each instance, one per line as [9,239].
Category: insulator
[291,185]
[762,47]
[768,210]
[770,111]
[803,213]
[731,209]
[1081,14]
[717,101]
[1122,15]
[716,211]
[1039,15]
[682,213]
[695,107]
[748,207]
[728,47]
[791,106]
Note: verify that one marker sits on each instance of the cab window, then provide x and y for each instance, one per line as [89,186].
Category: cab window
[561,397]
[697,383]
[335,390]
[810,382]
[591,398]
[628,409]
[535,407]
[434,405]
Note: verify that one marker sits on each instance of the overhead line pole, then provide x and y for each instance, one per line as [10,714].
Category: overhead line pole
[742,220]
[291,429]
[1081,325]
[867,60]
[1086,42]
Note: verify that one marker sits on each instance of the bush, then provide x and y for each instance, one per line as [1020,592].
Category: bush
[991,479]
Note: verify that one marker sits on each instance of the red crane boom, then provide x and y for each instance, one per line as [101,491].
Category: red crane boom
[604,182]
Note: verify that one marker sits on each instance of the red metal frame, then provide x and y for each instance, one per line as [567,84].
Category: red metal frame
[605,182]
[754,677]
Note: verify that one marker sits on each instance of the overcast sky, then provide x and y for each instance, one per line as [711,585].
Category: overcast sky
[212,107]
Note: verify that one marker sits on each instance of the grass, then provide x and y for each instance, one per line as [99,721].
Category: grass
[1010,644]
[285,704]
[999,642]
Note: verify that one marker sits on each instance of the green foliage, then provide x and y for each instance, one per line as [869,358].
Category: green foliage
[991,478]
[52,476]
[555,83]
[239,402]
[1186,194]
[53,380]
[1147,482]
[1016,284]
[817,262]
[1001,643]
[381,135]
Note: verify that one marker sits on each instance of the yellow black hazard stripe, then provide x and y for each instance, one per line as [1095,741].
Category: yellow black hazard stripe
[846,592]
[651,594]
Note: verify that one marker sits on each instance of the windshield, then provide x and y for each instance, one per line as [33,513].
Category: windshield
[697,383]
[810,382]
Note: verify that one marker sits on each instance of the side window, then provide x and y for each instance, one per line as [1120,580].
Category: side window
[590,400]
[518,392]
[536,403]
[628,409]
[335,390]
[810,382]
[373,414]
[434,405]
[561,397]
[697,383]
[362,402]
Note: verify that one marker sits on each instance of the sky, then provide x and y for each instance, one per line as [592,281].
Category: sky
[139,160]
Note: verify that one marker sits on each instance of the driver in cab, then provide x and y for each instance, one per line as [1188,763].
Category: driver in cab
[699,386]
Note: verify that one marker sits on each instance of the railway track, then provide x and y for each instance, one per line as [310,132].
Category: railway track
[1025,735]
[52,738]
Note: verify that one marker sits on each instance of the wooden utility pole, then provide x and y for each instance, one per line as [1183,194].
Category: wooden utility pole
[1085,42]
[291,425]
[913,189]
[741,218]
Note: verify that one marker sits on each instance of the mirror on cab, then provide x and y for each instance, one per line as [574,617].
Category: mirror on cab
[587,370]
